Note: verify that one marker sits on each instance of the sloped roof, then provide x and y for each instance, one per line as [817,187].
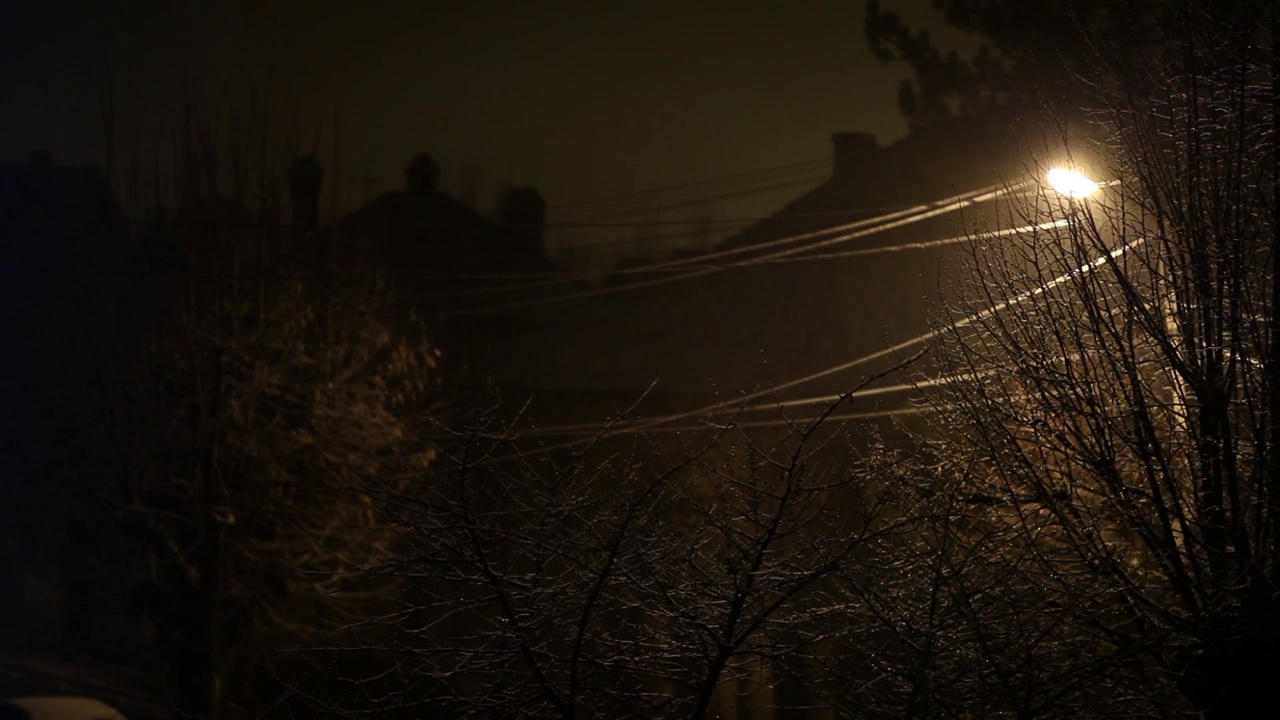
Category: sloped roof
[430,230]
[442,258]
[731,330]
[61,200]
[738,329]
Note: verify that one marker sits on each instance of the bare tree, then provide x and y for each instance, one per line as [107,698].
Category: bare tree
[950,619]
[236,436]
[663,579]
[1126,449]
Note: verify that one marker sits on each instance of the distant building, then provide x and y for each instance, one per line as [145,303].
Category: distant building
[753,318]
[442,258]
[60,228]
[765,311]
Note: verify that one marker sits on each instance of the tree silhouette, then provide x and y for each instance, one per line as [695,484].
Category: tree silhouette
[656,580]
[1027,53]
[1126,446]
[247,397]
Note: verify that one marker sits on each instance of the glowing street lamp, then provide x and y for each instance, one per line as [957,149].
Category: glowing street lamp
[1071,183]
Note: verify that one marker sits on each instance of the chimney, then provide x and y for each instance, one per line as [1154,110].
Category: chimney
[305,180]
[855,155]
[523,214]
[421,173]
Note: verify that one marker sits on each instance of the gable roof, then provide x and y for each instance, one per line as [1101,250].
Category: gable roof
[756,318]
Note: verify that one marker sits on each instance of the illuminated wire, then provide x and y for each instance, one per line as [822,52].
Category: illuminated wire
[734,423]
[576,205]
[264,225]
[925,211]
[791,255]
[596,427]
[700,267]
[677,204]
[896,348]
[868,226]
[767,260]
[880,222]
[741,220]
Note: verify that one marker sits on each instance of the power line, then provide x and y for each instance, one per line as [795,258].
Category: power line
[912,214]
[699,267]
[683,273]
[903,247]
[657,223]
[772,259]
[736,423]
[894,349]
[697,195]
[645,426]
[701,200]
[868,392]
[545,279]
[723,221]
[596,427]
[779,258]
[557,279]
[580,247]
[861,252]
[266,225]
[735,177]
[868,227]
[705,226]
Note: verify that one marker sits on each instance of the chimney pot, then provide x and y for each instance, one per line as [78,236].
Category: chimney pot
[421,173]
[523,212]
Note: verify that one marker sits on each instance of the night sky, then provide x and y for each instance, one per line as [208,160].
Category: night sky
[579,99]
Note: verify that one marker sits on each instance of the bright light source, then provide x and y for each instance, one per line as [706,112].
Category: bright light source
[1071,183]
